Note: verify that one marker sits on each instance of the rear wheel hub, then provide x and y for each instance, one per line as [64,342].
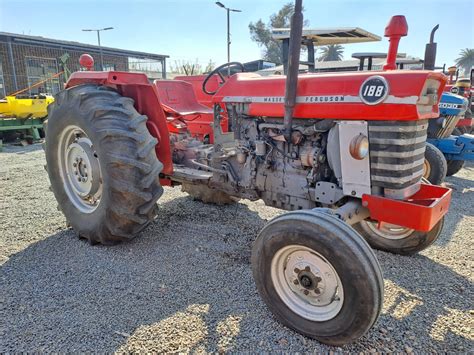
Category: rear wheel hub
[80,169]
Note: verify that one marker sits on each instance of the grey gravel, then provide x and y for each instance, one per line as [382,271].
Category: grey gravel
[185,284]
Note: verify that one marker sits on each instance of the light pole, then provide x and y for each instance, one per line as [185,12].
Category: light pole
[98,40]
[218,3]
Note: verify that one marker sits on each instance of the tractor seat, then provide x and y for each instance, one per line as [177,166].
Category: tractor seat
[177,97]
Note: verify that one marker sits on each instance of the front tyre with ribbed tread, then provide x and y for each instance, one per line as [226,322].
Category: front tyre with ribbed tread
[100,121]
[318,276]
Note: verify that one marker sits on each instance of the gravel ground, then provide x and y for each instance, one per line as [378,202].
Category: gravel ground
[185,284]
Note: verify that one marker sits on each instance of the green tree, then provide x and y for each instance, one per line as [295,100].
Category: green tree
[331,52]
[466,60]
[262,33]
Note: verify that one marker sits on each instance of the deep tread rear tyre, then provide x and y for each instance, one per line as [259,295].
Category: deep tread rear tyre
[128,164]
[454,166]
[348,254]
[409,243]
[435,165]
[460,130]
[207,195]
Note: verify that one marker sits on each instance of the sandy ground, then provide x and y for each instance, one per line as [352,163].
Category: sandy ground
[185,284]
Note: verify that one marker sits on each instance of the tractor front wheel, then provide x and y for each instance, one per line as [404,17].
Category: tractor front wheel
[396,239]
[102,164]
[435,165]
[318,276]
[454,166]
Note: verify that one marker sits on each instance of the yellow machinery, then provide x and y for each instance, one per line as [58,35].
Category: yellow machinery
[13,107]
[23,114]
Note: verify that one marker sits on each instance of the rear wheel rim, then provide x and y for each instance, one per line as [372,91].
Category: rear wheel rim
[307,283]
[389,231]
[79,168]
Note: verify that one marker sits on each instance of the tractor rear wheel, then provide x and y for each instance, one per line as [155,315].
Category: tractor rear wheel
[460,130]
[396,239]
[318,276]
[435,165]
[102,164]
[207,195]
[454,166]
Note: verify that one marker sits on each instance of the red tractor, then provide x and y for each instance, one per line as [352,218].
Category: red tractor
[343,152]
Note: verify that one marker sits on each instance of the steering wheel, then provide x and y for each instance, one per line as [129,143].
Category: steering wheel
[218,72]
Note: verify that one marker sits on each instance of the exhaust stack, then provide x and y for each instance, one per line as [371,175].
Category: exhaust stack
[430,51]
[296,31]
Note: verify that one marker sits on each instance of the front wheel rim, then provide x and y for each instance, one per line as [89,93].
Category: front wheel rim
[389,231]
[426,169]
[307,283]
[79,168]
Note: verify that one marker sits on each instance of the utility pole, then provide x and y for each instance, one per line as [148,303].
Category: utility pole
[98,41]
[218,3]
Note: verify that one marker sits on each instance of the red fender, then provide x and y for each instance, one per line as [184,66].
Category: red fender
[147,102]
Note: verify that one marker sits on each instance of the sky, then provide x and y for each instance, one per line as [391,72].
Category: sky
[190,30]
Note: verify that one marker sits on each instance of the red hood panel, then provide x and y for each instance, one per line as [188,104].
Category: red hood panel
[334,96]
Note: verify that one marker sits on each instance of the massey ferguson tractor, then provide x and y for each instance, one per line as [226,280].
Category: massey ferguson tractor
[342,152]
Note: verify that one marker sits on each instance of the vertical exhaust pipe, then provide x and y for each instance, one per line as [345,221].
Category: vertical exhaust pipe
[430,51]
[296,32]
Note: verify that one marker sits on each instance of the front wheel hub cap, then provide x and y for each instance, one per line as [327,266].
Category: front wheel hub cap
[307,283]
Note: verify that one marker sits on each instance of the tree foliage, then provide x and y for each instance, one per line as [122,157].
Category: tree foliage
[188,68]
[261,33]
[331,52]
[466,60]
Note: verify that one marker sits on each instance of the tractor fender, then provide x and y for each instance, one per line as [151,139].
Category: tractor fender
[147,102]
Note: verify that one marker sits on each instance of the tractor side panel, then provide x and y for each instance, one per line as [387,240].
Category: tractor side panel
[137,87]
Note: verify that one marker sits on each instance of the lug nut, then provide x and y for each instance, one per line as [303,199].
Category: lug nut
[296,270]
[316,291]
[79,179]
[74,164]
[306,292]
[296,282]
[307,268]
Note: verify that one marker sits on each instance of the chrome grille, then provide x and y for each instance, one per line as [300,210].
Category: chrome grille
[451,122]
[397,153]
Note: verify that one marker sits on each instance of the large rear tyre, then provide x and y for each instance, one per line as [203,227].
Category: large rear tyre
[435,165]
[318,276]
[396,239]
[102,164]
[460,130]
[454,166]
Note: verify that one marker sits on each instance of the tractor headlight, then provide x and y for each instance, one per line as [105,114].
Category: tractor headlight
[359,147]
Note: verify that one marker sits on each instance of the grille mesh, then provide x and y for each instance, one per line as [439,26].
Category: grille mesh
[451,122]
[397,152]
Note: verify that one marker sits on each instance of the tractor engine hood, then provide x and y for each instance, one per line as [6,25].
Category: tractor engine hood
[382,95]
[452,105]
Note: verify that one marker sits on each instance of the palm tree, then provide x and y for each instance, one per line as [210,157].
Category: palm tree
[331,52]
[466,60]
